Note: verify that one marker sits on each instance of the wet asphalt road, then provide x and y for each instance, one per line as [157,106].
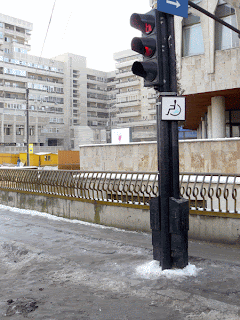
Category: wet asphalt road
[60,270]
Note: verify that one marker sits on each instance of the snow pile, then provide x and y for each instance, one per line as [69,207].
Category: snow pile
[52,217]
[152,270]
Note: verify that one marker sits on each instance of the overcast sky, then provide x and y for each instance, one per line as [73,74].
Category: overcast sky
[92,28]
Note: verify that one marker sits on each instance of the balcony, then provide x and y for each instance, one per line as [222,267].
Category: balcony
[128,93]
[124,64]
[18,89]
[96,90]
[152,111]
[128,114]
[18,34]
[13,97]
[128,84]
[132,123]
[124,74]
[128,104]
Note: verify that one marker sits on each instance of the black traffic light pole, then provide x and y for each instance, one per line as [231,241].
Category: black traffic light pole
[168,212]
[164,156]
[173,210]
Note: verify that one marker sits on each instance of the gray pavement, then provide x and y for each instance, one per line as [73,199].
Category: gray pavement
[53,269]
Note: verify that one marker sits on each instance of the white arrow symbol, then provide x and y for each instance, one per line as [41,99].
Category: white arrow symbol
[177,4]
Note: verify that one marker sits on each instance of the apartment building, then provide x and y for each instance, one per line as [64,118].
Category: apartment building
[67,101]
[135,105]
[45,80]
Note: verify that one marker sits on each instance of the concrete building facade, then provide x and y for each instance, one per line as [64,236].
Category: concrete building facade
[135,103]
[43,77]
[67,101]
[208,56]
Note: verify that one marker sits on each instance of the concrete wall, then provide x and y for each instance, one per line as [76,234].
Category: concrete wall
[214,228]
[208,227]
[136,156]
[121,216]
[219,155]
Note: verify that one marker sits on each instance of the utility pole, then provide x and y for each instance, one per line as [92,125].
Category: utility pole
[168,212]
[27,125]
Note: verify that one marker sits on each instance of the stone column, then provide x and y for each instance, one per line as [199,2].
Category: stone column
[203,129]
[218,117]
[209,119]
[199,132]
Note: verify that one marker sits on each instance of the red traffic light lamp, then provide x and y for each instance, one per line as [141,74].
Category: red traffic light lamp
[149,46]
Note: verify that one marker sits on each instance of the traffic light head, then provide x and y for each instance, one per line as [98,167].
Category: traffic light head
[143,22]
[146,70]
[149,45]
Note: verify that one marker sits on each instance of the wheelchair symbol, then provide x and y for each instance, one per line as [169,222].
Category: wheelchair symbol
[174,109]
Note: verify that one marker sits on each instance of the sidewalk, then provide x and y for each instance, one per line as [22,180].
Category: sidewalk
[57,269]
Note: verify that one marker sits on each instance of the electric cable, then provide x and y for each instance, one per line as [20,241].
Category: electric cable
[48,28]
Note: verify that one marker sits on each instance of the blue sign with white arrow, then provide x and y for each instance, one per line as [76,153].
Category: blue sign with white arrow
[175,7]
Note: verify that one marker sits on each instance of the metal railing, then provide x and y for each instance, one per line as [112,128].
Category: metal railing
[205,192]
[121,187]
[211,192]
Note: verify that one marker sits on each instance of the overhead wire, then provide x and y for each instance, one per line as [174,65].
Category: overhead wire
[48,28]
[69,18]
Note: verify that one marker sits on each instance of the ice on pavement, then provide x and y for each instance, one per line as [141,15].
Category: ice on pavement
[52,217]
[152,270]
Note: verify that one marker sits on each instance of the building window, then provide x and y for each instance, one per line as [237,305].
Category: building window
[192,36]
[20,130]
[225,38]
[7,130]
[233,123]
[31,130]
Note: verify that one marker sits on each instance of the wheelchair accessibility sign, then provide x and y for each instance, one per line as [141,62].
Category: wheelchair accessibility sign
[173,108]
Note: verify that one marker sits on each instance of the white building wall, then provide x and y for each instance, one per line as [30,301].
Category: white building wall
[214,70]
[136,104]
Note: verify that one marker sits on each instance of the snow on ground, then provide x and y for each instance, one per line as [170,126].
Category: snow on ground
[149,270]
[52,217]
[152,270]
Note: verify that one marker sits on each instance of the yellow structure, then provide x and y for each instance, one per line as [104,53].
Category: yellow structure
[39,159]
[8,158]
[68,160]
[47,159]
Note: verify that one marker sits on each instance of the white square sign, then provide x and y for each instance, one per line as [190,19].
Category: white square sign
[173,108]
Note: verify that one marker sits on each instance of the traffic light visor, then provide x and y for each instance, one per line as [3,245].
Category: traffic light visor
[142,22]
[144,46]
[146,70]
